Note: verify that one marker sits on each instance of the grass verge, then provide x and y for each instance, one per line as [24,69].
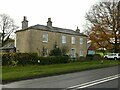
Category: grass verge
[15,73]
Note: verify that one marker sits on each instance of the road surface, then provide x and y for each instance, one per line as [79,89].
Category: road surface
[98,78]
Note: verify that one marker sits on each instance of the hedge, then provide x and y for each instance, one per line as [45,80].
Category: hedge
[94,57]
[53,60]
[31,58]
[19,58]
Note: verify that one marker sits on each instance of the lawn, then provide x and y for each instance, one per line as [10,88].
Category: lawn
[14,73]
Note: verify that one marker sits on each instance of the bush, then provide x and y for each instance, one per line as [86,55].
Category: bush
[31,58]
[53,60]
[97,57]
[19,58]
[89,57]
[5,59]
[82,59]
[56,52]
[94,57]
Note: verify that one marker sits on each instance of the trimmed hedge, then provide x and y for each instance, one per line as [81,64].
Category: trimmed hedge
[19,58]
[53,60]
[31,58]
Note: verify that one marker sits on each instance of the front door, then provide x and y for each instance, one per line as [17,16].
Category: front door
[73,53]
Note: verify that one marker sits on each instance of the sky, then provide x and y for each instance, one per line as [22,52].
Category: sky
[63,13]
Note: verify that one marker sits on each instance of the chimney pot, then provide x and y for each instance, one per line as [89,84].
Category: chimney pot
[49,23]
[78,30]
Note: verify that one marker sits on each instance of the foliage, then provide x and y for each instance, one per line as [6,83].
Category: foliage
[57,51]
[31,59]
[64,49]
[53,60]
[104,25]
[94,57]
[19,58]
[97,57]
[100,38]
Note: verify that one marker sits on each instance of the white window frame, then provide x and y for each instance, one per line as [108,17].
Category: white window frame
[45,37]
[81,40]
[73,40]
[63,39]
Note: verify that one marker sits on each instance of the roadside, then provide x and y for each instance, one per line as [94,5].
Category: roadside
[17,73]
[65,81]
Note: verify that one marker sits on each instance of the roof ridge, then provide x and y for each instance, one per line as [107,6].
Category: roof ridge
[54,29]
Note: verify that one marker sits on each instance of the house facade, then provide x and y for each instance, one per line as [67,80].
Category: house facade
[38,37]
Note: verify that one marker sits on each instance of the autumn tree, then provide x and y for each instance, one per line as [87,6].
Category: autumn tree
[103,25]
[7,27]
[100,39]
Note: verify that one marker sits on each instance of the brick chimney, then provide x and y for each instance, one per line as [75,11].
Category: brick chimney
[49,22]
[24,23]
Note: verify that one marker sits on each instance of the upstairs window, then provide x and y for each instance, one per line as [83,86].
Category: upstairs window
[73,40]
[45,37]
[63,39]
[81,40]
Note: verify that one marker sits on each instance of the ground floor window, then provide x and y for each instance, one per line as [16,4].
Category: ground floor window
[81,53]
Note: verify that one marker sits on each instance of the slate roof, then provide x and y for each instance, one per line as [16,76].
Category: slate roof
[53,29]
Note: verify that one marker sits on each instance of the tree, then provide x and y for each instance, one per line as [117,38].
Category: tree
[99,39]
[103,19]
[7,27]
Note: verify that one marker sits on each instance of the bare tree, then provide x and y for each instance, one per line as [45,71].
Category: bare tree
[105,15]
[7,27]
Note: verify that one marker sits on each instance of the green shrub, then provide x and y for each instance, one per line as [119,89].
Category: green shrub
[56,52]
[89,57]
[82,59]
[53,60]
[94,57]
[97,57]
[5,58]
[19,58]
[31,58]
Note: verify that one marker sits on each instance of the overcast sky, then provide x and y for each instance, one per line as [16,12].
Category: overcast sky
[63,13]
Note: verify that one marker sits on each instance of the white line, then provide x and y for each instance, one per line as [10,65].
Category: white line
[91,83]
[97,83]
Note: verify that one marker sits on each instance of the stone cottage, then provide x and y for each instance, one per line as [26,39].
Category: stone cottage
[38,37]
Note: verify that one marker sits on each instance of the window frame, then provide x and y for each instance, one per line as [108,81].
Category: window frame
[81,53]
[64,40]
[73,40]
[81,40]
[46,37]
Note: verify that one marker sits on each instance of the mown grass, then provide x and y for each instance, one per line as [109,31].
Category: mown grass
[14,73]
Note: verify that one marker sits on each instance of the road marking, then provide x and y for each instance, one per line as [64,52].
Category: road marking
[91,83]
